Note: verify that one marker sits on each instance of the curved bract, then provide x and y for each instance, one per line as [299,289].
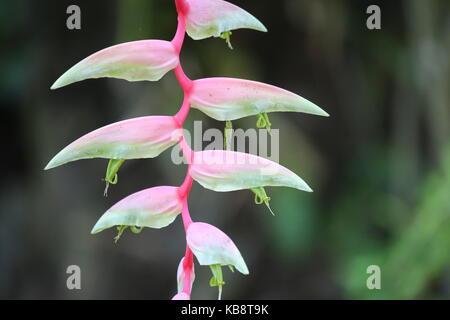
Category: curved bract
[153,208]
[228,99]
[181,275]
[137,138]
[181,296]
[133,61]
[211,18]
[211,247]
[229,171]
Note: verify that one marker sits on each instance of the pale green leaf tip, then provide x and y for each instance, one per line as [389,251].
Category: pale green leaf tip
[55,86]
[50,165]
[303,186]
[262,28]
[97,228]
[70,76]
[101,225]
[55,162]
[258,25]
[241,266]
[324,113]
[60,82]
[244,270]
[318,110]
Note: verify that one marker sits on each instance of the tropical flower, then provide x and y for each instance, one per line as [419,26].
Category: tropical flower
[223,99]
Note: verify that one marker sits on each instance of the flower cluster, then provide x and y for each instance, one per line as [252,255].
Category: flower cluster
[223,99]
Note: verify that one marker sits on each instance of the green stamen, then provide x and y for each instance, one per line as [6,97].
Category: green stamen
[261,197]
[264,122]
[120,230]
[227,36]
[268,124]
[217,279]
[261,123]
[228,135]
[111,176]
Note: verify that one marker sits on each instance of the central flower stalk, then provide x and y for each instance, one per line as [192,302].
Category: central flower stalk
[184,190]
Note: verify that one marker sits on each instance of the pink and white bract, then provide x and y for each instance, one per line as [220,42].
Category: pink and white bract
[230,171]
[156,207]
[211,18]
[230,99]
[211,246]
[138,138]
[223,99]
[133,61]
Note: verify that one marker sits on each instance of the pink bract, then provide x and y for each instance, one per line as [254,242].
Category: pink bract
[224,171]
[156,207]
[229,99]
[210,18]
[132,61]
[211,246]
[144,137]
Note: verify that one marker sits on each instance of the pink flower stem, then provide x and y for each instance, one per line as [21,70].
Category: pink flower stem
[180,117]
[182,114]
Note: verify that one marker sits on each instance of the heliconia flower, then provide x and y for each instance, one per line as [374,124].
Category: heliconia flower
[144,137]
[155,207]
[229,99]
[181,296]
[212,18]
[132,61]
[181,276]
[223,99]
[213,247]
[224,171]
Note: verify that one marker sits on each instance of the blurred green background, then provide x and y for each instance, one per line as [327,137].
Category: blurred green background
[380,165]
